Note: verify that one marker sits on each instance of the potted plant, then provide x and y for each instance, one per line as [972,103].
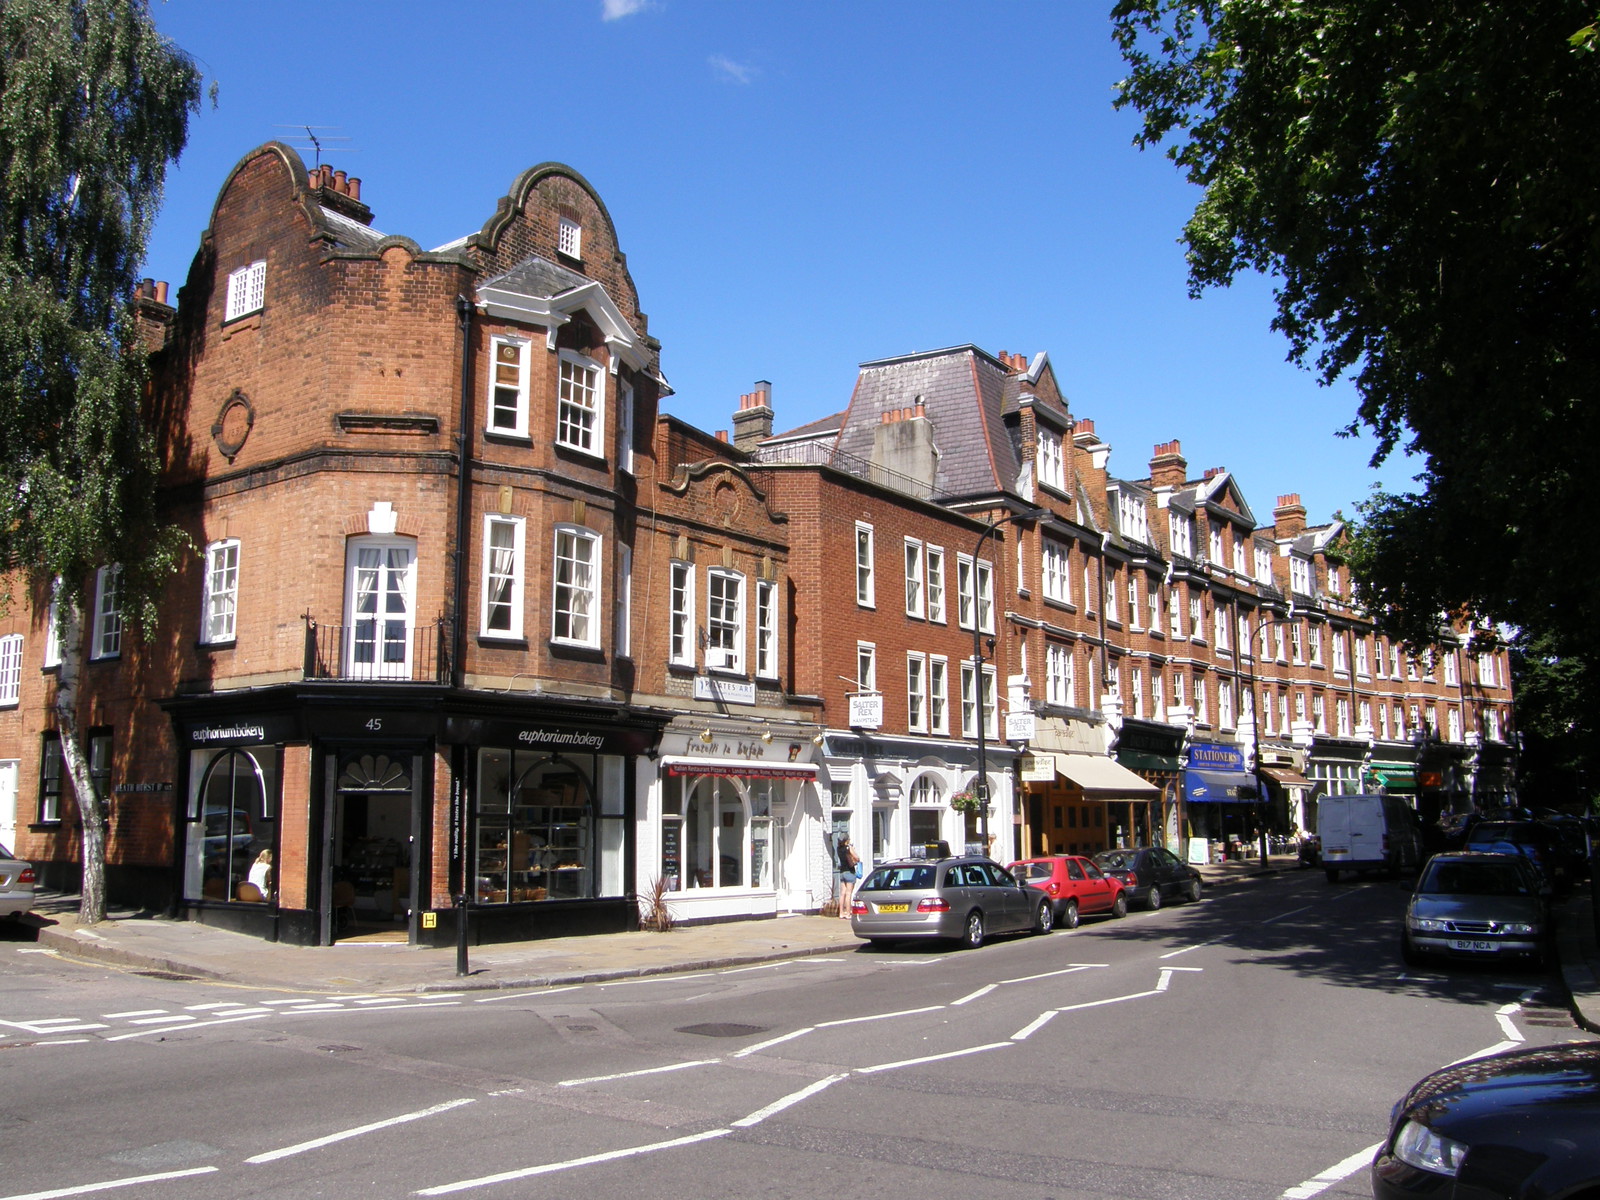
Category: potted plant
[966,802]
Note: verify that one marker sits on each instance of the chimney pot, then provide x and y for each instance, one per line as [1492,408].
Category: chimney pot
[355,188]
[339,184]
[722,435]
[161,291]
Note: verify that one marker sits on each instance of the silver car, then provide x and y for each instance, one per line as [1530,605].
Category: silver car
[16,885]
[962,899]
[1484,907]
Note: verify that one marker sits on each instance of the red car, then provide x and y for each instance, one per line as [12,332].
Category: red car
[1075,884]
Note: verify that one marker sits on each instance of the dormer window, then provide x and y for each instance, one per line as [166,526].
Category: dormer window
[1047,463]
[1182,534]
[1132,517]
[247,289]
[569,239]
[1300,576]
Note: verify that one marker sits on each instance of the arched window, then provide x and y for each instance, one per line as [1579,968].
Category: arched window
[232,818]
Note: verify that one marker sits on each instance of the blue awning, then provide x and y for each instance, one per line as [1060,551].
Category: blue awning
[1219,787]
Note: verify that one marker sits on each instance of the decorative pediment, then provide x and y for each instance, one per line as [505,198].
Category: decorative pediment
[539,292]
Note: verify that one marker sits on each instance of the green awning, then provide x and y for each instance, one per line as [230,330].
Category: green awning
[1397,777]
[1144,760]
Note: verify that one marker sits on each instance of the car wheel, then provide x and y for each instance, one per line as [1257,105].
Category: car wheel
[1154,900]
[1045,919]
[1119,906]
[1194,891]
[1069,915]
[973,938]
[1332,874]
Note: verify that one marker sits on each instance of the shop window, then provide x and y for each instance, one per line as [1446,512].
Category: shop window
[536,827]
[232,818]
[715,834]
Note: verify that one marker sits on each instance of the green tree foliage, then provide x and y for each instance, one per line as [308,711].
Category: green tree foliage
[94,104]
[1417,177]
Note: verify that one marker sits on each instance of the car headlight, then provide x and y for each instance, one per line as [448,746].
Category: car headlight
[1421,1147]
[1428,925]
[1519,927]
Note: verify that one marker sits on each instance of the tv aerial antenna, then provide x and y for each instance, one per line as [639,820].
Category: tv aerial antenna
[313,140]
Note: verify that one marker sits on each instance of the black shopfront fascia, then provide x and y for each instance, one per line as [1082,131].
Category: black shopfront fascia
[337,719]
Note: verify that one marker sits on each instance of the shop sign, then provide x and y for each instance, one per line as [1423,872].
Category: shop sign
[866,711]
[1211,756]
[729,691]
[244,731]
[1021,726]
[1037,768]
[544,735]
[134,789]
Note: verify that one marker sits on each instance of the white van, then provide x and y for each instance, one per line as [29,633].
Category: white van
[1368,833]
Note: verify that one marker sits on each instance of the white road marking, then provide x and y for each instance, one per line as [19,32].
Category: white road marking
[908,1012]
[1070,970]
[138,1012]
[84,1189]
[1334,1174]
[215,1004]
[683,1066]
[318,1143]
[983,991]
[571,987]
[122,1037]
[163,1020]
[913,1062]
[549,1168]
[777,1106]
[748,1050]
[1293,912]
[1034,1026]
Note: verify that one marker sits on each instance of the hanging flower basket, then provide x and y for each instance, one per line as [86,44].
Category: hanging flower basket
[966,802]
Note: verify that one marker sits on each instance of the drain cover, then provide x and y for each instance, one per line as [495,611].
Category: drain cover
[723,1029]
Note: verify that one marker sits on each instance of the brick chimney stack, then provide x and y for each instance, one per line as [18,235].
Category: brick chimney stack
[752,424]
[342,193]
[1168,467]
[153,316]
[1289,518]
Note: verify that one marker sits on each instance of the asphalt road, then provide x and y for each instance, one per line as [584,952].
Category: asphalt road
[1249,1046]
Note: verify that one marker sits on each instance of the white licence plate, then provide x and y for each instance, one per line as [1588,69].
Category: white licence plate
[1463,944]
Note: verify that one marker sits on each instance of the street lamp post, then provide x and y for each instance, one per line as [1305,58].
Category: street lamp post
[1255,730]
[981,789]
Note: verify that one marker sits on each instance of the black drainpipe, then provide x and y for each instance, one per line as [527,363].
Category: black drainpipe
[463,497]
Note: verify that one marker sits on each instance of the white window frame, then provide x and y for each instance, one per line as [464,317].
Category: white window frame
[1175,612]
[1263,565]
[1132,516]
[1055,570]
[1224,704]
[1180,532]
[969,727]
[1299,575]
[1197,624]
[866,574]
[386,582]
[867,669]
[1134,614]
[766,629]
[1059,681]
[915,585]
[1316,645]
[247,290]
[933,557]
[1219,620]
[581,404]
[625,420]
[1450,668]
[569,238]
[916,692]
[938,694]
[1138,693]
[502,574]
[219,598]
[725,620]
[1214,544]
[1048,461]
[506,412]
[11,669]
[1158,694]
[106,639]
[575,594]
[1341,664]
[680,613]
[622,636]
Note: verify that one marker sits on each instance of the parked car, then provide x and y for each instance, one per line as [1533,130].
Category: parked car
[1150,875]
[1511,1126]
[963,899]
[1361,832]
[1075,886]
[1474,906]
[1526,839]
[17,881]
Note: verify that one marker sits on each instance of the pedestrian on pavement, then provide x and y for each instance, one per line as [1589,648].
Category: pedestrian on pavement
[849,872]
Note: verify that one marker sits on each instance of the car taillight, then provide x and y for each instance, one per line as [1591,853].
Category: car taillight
[858,906]
[1054,889]
[27,876]
[933,904]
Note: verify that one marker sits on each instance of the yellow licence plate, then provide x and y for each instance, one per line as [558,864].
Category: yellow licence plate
[894,908]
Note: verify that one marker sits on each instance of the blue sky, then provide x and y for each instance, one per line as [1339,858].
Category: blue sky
[799,188]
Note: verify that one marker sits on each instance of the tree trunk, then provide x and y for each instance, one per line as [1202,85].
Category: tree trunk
[91,807]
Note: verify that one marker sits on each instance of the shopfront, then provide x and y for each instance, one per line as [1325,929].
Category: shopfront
[1154,752]
[733,817]
[1220,800]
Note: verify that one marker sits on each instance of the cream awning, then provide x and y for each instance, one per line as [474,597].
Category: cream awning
[1104,778]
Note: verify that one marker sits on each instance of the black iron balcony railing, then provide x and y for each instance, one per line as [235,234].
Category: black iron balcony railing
[378,651]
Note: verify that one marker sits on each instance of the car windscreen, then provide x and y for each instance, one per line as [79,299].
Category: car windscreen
[1029,871]
[1115,860]
[899,879]
[1475,879]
